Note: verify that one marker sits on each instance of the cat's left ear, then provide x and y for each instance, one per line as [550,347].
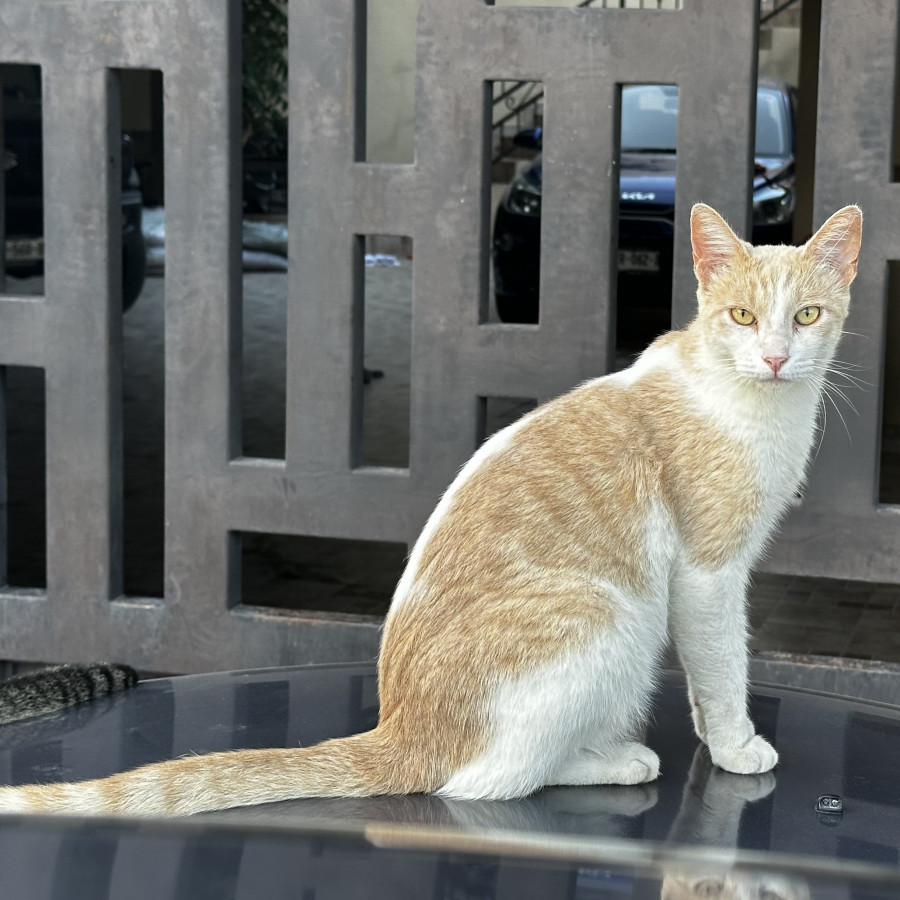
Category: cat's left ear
[836,243]
[714,244]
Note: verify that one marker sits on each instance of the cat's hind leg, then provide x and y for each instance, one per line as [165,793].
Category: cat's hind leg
[595,695]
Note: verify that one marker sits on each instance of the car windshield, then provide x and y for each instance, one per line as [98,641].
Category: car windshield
[772,137]
[650,116]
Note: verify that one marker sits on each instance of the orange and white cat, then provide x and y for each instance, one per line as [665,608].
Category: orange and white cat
[523,639]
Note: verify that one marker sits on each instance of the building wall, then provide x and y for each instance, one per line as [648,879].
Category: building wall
[391,59]
[391,80]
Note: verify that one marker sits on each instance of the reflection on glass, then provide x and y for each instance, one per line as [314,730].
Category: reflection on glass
[609,810]
[710,816]
[734,886]
[712,803]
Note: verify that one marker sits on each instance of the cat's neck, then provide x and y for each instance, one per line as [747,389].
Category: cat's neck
[784,413]
[778,423]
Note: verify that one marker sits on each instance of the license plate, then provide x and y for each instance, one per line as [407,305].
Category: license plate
[24,249]
[638,261]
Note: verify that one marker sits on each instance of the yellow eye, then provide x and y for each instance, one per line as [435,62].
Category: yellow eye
[808,315]
[743,317]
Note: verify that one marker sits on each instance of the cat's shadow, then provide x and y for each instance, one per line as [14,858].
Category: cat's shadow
[604,810]
[599,810]
[709,815]
[710,810]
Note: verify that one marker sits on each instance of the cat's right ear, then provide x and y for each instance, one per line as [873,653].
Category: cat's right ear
[713,242]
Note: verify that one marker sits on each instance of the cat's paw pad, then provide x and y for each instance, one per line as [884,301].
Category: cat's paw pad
[753,758]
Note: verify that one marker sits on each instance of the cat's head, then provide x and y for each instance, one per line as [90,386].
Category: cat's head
[773,314]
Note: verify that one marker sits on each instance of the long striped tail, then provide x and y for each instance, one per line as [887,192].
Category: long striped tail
[358,766]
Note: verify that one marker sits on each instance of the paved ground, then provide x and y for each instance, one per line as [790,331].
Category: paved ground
[796,615]
[826,617]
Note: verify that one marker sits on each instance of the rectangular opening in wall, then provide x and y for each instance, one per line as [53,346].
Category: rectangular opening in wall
[515,118]
[648,129]
[774,193]
[26,476]
[264,378]
[323,574]
[495,413]
[143,331]
[381,414]
[595,4]
[264,106]
[804,103]
[386,56]
[895,131]
[264,54]
[21,131]
[889,479]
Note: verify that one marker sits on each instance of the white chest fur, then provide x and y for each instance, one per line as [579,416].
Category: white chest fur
[778,424]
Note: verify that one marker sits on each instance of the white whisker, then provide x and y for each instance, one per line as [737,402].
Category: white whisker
[833,390]
[827,393]
[843,364]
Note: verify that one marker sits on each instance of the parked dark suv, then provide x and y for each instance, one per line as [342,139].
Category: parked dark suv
[646,203]
[24,186]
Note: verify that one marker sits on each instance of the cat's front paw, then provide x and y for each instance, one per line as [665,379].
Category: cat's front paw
[752,758]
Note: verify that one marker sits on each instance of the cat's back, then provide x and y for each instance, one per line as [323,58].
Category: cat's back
[577,476]
[627,419]
[548,516]
[577,485]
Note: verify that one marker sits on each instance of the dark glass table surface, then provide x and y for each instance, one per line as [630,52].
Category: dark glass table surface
[697,831]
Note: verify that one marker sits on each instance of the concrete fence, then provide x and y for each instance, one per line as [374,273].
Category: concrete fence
[441,200]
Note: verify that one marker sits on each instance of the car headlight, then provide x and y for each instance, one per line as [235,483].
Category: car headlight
[523,198]
[773,204]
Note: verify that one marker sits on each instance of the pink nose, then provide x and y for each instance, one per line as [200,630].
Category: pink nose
[776,362]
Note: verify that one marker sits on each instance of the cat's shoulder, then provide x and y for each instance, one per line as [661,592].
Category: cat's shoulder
[661,363]
[654,384]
